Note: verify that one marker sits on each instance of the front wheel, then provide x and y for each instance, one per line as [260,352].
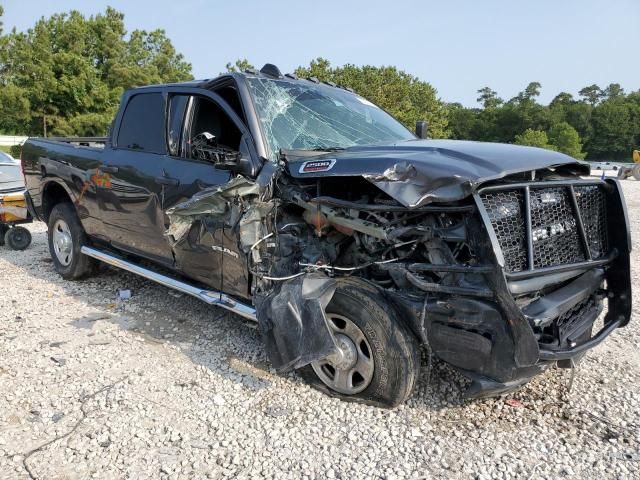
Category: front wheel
[379,358]
[66,238]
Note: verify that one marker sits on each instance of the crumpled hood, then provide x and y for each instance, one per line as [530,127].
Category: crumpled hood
[418,172]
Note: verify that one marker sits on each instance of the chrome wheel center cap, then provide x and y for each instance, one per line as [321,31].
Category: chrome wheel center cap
[347,356]
[64,243]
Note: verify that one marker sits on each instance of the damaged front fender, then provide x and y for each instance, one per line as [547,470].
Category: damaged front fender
[293,322]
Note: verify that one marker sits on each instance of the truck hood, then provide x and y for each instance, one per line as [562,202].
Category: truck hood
[418,172]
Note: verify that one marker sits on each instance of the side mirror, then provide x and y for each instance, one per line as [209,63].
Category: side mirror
[421,128]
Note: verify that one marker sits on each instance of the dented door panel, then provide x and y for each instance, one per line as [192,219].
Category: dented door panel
[209,253]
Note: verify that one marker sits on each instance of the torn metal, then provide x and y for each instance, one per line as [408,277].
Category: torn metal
[420,172]
[212,201]
[293,322]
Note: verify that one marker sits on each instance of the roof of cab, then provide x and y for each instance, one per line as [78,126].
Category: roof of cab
[268,71]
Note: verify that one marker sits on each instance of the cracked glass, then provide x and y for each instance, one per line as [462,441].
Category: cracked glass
[302,115]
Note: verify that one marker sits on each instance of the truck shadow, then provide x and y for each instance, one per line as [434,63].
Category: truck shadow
[210,337]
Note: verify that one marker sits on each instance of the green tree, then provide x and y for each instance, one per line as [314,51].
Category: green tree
[529,94]
[563,99]
[464,123]
[613,90]
[240,65]
[520,113]
[565,139]
[15,108]
[613,131]
[65,75]
[489,98]
[591,94]
[534,138]
[563,108]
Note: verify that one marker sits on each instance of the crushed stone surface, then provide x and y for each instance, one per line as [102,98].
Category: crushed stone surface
[164,386]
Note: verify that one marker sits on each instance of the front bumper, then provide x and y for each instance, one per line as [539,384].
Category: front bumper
[536,317]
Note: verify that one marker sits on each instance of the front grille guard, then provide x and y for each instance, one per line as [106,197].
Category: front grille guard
[577,248]
[618,276]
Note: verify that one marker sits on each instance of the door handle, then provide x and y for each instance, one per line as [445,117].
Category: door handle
[109,169]
[168,181]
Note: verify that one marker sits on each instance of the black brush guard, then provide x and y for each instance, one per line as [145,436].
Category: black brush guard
[543,233]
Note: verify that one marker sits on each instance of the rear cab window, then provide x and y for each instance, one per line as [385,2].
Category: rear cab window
[143,127]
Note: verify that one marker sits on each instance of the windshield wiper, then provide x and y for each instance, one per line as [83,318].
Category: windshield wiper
[324,149]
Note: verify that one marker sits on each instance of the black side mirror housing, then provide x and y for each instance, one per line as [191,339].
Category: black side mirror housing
[422,127]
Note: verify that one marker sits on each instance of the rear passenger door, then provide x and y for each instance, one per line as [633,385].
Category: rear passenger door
[128,194]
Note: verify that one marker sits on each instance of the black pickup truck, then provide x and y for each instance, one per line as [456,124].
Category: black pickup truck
[350,240]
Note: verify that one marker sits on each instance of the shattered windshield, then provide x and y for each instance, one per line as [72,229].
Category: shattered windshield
[307,116]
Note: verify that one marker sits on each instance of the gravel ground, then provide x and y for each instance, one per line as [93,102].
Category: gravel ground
[163,386]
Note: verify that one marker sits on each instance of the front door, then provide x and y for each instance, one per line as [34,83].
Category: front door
[205,246]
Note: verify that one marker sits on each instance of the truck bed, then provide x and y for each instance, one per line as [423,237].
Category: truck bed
[70,160]
[93,142]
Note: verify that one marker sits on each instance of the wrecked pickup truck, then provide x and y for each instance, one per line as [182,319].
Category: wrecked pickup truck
[350,240]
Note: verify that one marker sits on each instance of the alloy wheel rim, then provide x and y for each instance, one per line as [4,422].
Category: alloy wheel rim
[62,242]
[351,370]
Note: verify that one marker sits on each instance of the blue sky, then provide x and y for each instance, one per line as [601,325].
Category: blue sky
[458,46]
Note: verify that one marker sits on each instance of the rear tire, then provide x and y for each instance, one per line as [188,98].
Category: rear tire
[17,238]
[383,363]
[66,237]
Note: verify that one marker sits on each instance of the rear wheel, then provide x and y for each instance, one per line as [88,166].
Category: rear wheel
[379,358]
[66,238]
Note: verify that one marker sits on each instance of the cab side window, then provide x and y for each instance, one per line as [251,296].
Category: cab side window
[208,117]
[142,126]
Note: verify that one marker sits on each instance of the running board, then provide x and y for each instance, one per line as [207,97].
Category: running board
[210,296]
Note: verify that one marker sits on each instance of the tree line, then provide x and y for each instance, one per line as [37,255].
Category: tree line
[65,76]
[602,123]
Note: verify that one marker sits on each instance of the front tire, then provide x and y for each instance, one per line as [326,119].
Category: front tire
[380,359]
[66,237]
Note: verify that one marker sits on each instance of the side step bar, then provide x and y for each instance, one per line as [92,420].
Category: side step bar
[212,297]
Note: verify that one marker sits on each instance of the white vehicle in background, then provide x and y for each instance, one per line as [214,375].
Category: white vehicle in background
[599,166]
[10,175]
[633,169]
[13,207]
